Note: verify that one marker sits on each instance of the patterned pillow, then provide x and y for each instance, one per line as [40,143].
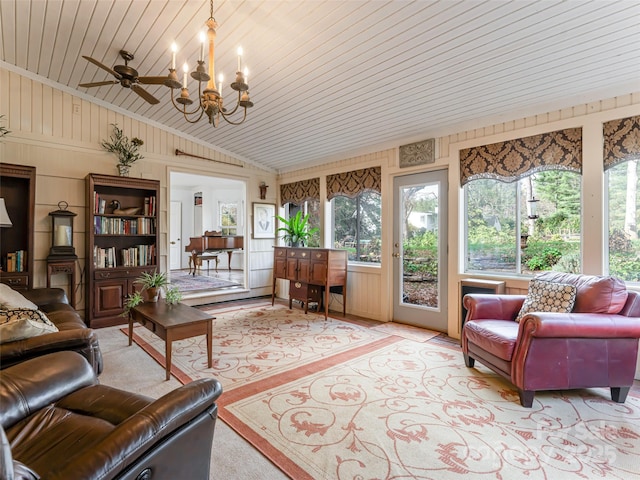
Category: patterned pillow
[21,323]
[548,297]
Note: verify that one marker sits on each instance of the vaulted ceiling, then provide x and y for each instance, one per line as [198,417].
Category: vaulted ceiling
[333,78]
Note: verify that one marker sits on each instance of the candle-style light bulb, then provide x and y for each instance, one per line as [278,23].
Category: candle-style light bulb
[203,39]
[220,80]
[174,49]
[239,59]
[185,69]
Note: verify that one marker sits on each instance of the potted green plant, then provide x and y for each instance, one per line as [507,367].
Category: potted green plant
[172,295]
[133,300]
[296,232]
[125,149]
[152,283]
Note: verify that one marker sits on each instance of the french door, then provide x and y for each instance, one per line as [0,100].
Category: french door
[420,250]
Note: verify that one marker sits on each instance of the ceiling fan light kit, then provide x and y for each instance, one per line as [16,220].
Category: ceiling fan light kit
[210,98]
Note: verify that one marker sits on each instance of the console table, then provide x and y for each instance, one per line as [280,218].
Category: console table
[311,272]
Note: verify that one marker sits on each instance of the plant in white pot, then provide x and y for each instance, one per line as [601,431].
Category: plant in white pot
[125,149]
[296,231]
[152,283]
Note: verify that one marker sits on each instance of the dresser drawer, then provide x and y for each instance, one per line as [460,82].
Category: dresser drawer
[15,281]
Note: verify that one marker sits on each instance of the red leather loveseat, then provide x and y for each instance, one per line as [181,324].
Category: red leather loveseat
[596,345]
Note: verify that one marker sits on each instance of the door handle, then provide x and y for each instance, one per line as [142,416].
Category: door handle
[396,255]
[173,243]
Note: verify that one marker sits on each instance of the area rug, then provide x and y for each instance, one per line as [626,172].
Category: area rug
[375,405]
[195,283]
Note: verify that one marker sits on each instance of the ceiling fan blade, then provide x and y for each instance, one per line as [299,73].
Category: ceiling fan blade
[99,84]
[152,80]
[104,67]
[144,94]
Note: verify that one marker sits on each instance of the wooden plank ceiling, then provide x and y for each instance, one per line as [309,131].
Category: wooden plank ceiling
[331,78]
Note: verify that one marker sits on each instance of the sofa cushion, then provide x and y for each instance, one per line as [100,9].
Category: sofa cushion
[20,323]
[497,337]
[548,297]
[9,299]
[596,294]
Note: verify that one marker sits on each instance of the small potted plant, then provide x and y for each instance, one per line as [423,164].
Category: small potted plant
[132,300]
[152,283]
[296,232]
[172,295]
[125,149]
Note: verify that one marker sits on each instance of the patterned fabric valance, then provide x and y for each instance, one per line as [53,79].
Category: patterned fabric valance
[350,184]
[621,141]
[300,192]
[515,159]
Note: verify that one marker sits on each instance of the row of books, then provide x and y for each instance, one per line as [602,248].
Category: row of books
[100,205]
[136,256]
[17,261]
[124,226]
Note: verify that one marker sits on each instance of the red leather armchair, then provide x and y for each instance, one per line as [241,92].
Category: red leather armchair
[596,345]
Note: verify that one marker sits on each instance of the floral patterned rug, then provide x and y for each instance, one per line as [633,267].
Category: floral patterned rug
[332,399]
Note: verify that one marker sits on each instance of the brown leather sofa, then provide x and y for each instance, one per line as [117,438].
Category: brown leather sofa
[596,345]
[61,424]
[73,333]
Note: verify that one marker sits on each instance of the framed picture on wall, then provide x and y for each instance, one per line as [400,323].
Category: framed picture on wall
[264,221]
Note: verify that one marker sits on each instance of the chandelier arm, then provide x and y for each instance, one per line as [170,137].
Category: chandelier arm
[183,109]
[244,117]
[235,109]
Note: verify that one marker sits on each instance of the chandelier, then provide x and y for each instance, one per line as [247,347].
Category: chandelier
[210,100]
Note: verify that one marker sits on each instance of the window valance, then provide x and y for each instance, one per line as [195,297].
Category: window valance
[621,141]
[300,192]
[351,184]
[514,159]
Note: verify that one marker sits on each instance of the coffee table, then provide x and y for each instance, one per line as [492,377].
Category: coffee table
[173,322]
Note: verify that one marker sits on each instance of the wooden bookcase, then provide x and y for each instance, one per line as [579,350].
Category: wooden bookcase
[18,188]
[121,242]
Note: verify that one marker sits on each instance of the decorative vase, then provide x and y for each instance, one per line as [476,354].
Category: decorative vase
[123,170]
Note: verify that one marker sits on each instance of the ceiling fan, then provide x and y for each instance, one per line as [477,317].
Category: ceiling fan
[127,77]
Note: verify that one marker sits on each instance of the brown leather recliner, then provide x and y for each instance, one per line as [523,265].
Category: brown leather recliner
[73,333]
[596,345]
[62,424]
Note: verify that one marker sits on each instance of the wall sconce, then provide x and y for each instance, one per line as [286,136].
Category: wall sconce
[523,240]
[62,233]
[532,208]
[263,190]
[5,221]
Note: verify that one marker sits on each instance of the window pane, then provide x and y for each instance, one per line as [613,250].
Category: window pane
[505,233]
[229,218]
[624,246]
[491,226]
[357,226]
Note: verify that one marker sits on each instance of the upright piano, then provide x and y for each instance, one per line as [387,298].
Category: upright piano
[210,245]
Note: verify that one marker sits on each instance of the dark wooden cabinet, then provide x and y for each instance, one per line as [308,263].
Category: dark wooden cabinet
[18,189]
[311,273]
[121,242]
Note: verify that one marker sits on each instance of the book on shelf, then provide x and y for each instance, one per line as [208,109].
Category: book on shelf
[134,256]
[124,226]
[17,261]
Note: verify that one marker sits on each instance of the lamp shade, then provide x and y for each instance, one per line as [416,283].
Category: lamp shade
[5,221]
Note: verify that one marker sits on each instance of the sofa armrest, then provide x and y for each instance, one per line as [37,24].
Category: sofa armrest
[45,296]
[141,432]
[29,386]
[492,307]
[83,340]
[579,325]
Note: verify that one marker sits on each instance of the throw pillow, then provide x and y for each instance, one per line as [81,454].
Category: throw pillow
[548,297]
[21,323]
[10,298]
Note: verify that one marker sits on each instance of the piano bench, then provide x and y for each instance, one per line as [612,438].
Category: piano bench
[196,259]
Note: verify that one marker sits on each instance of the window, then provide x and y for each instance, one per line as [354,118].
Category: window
[502,236]
[228,216]
[357,226]
[623,206]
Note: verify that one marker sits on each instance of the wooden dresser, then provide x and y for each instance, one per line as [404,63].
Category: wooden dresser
[311,272]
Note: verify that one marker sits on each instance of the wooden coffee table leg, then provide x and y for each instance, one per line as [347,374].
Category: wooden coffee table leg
[167,354]
[130,328]
[210,343]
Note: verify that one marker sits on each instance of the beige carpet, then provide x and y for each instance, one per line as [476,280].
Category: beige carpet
[342,400]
